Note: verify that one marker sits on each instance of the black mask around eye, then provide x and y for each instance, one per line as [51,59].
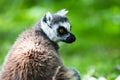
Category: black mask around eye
[61,31]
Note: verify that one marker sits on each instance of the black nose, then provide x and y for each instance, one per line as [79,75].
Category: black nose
[70,38]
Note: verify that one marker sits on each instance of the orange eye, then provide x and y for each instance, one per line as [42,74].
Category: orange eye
[61,31]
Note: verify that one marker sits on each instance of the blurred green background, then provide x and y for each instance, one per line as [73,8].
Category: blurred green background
[96,24]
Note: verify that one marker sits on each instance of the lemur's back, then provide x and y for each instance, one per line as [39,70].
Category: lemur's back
[31,57]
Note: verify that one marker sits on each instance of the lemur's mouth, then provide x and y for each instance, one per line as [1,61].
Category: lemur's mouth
[71,38]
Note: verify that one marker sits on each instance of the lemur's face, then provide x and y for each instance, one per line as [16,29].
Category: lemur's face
[57,28]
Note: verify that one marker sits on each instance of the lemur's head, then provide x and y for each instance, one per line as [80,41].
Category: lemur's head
[57,27]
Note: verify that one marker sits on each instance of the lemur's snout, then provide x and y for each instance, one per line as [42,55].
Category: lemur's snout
[71,38]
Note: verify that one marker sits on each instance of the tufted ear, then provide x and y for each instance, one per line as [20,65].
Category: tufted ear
[47,17]
[62,12]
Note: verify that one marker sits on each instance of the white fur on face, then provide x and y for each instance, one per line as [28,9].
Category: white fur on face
[66,25]
[52,32]
[48,31]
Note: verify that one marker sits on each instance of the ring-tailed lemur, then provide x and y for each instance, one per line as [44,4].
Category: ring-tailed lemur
[34,55]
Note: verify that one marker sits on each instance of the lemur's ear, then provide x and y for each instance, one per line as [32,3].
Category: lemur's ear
[48,17]
[62,12]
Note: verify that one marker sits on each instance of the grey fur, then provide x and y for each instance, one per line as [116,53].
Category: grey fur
[57,19]
[35,57]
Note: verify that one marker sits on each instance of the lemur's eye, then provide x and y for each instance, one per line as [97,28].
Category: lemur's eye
[61,30]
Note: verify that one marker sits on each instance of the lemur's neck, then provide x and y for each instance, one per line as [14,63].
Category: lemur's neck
[40,32]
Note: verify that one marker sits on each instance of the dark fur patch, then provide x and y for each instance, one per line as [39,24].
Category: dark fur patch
[45,19]
[57,19]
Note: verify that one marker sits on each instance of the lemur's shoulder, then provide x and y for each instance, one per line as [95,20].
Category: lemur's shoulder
[33,40]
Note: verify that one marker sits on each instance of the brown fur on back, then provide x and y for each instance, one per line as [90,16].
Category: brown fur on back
[32,57]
